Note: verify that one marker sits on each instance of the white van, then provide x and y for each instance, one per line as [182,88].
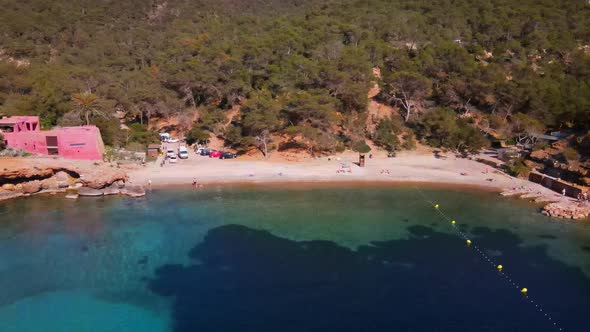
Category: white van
[164,137]
[182,152]
[170,153]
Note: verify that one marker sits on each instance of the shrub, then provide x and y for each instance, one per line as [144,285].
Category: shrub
[386,132]
[409,142]
[496,121]
[110,130]
[140,134]
[197,135]
[2,142]
[443,129]
[361,147]
[136,147]
[570,154]
[540,146]
[518,168]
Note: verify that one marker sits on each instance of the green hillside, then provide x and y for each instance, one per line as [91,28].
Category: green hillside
[301,69]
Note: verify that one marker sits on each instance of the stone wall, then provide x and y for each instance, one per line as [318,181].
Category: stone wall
[555,184]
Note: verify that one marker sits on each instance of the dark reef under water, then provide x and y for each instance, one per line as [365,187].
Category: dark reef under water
[243,279]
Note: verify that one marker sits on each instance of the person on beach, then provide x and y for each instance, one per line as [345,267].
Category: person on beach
[195,182]
[150,183]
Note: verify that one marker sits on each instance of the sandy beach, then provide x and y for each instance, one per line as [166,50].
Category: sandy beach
[405,167]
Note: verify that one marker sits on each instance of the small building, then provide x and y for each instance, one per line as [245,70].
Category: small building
[509,154]
[24,132]
[153,150]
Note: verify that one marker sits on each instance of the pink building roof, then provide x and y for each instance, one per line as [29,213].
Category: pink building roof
[18,119]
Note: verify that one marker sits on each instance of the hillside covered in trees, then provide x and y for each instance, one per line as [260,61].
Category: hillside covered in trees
[251,71]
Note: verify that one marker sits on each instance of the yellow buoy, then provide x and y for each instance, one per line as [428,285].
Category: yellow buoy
[468,242]
[436,206]
[453,222]
[500,267]
[524,291]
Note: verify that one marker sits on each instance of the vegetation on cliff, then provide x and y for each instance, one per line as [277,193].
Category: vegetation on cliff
[300,69]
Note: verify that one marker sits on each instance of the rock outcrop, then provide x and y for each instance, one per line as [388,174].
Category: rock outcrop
[8,187]
[85,191]
[102,177]
[91,174]
[113,189]
[27,176]
[568,211]
[133,190]
[31,187]
[557,206]
[128,190]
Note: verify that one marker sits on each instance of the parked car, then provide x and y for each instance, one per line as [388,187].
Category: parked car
[170,153]
[200,151]
[227,155]
[215,154]
[182,152]
[173,159]
[164,137]
[204,151]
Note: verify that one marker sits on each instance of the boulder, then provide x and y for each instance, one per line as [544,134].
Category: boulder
[133,190]
[4,195]
[101,177]
[85,191]
[8,187]
[62,178]
[32,187]
[49,183]
[111,190]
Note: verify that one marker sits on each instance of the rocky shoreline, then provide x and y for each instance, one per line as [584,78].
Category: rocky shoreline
[26,177]
[556,205]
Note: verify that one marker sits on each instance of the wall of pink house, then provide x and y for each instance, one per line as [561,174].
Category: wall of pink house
[72,142]
[80,142]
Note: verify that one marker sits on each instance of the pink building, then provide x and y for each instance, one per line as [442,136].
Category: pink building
[24,132]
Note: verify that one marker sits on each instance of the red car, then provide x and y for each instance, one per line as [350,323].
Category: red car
[215,154]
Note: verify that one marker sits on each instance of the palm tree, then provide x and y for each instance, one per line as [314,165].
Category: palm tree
[86,103]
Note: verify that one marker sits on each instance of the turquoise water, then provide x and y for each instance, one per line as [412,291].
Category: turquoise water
[175,261]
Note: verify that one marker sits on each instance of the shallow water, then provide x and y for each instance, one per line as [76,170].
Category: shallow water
[303,259]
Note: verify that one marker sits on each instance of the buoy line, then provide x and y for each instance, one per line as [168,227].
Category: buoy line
[498,267]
